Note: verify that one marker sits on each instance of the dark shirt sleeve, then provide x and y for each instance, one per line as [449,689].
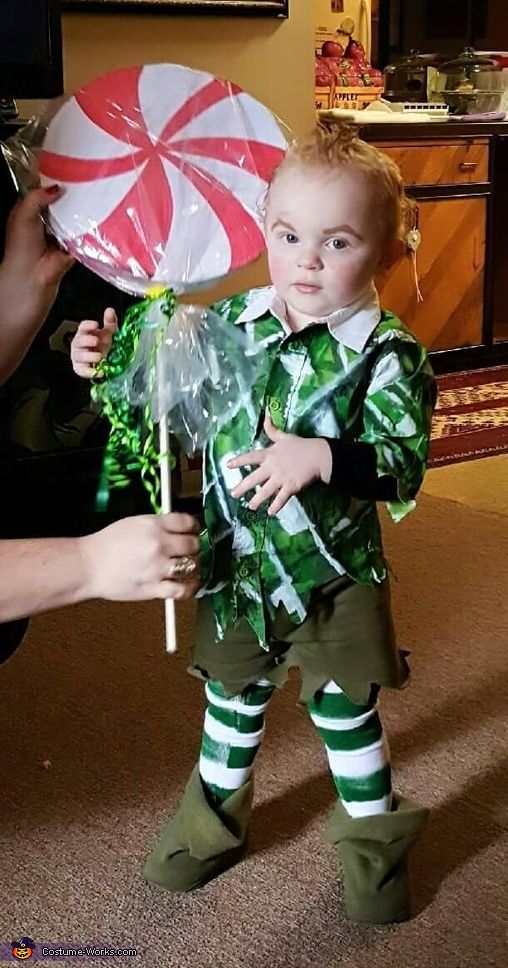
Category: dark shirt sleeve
[354,469]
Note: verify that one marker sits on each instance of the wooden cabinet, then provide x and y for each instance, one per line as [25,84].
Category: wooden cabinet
[457,172]
[450,264]
[461,162]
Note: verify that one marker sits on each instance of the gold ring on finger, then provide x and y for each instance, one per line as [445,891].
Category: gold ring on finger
[183,568]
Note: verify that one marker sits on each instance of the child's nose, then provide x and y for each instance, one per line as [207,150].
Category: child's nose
[310,259]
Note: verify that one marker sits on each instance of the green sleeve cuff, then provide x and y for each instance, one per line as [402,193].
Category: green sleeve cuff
[399,509]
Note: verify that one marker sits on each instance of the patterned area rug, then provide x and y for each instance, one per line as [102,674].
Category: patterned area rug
[471,418]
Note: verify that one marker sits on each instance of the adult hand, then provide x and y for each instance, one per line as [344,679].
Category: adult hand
[30,274]
[285,468]
[143,557]
[30,254]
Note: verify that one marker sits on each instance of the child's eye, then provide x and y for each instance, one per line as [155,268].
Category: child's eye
[337,244]
[290,238]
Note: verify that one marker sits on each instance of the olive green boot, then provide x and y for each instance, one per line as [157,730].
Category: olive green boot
[200,841]
[374,854]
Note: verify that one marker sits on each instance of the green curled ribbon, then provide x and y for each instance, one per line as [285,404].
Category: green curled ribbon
[133,443]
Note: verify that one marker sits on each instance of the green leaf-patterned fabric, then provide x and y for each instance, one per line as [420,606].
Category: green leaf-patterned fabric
[313,385]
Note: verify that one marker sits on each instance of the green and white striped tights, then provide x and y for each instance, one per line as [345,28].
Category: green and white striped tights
[356,747]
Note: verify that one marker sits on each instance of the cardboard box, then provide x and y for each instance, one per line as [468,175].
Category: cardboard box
[355,98]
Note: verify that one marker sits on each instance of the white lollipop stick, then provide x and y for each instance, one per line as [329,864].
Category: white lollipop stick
[165,471]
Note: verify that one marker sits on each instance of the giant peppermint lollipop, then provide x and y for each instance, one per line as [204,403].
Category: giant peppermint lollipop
[163,170]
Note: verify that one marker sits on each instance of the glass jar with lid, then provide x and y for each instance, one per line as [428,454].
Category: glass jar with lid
[469,84]
[406,80]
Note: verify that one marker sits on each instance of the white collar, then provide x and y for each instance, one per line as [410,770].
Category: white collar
[351,325]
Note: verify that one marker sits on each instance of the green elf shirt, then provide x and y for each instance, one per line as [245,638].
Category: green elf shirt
[358,375]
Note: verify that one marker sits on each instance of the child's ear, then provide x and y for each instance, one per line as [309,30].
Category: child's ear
[392,254]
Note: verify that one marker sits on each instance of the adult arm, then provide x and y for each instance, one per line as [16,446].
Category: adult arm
[30,274]
[131,560]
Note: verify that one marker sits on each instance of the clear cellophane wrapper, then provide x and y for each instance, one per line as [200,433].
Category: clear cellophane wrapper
[195,368]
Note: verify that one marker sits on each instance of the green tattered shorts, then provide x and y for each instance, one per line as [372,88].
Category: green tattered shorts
[348,636]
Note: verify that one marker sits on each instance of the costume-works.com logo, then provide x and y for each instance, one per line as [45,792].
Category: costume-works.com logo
[22,949]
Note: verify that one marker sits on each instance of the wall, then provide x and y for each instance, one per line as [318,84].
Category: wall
[497,27]
[272,59]
[415,27]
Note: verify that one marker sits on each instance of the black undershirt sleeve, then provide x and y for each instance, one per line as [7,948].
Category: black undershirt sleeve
[354,470]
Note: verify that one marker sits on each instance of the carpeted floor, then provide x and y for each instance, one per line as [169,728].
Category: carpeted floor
[471,418]
[100,730]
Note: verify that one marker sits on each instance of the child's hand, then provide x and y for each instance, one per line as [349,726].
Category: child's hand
[92,343]
[285,468]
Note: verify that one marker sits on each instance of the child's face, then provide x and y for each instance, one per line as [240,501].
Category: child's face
[324,239]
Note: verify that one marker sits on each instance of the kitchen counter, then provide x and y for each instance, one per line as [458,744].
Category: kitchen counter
[433,129]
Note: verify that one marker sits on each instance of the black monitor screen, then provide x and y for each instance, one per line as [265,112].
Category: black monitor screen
[24,31]
[30,49]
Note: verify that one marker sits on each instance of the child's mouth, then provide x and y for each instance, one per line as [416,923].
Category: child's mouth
[305,287]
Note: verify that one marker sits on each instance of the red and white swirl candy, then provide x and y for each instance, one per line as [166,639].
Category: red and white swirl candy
[163,170]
